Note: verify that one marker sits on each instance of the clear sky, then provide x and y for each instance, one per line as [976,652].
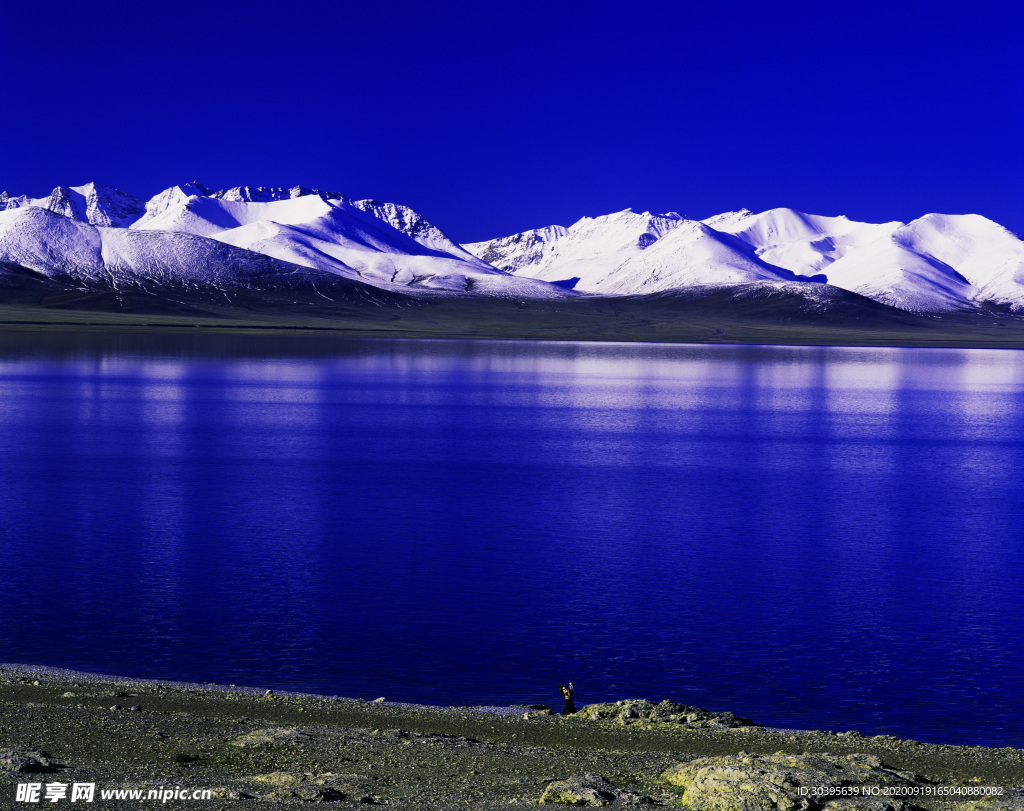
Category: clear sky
[492,118]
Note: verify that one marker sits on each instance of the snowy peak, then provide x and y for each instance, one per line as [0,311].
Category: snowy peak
[413,224]
[174,196]
[196,209]
[384,245]
[778,226]
[67,202]
[207,215]
[693,254]
[180,197]
[588,250]
[109,207]
[518,251]
[91,203]
[725,221]
[984,253]
[267,194]
[936,263]
[8,201]
[177,195]
[802,243]
[933,264]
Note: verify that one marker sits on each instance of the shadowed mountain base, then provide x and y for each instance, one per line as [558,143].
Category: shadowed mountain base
[755,313]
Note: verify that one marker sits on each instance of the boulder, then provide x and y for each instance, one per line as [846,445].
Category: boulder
[25,762]
[545,713]
[1012,800]
[788,783]
[589,790]
[268,736]
[290,785]
[638,710]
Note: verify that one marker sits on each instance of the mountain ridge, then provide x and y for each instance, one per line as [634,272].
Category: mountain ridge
[937,263]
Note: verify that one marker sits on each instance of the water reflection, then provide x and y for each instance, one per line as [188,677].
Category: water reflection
[809,536]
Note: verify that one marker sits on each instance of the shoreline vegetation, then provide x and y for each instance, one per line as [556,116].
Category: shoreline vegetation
[258,748]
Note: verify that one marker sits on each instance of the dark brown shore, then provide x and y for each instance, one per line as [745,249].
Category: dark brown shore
[258,749]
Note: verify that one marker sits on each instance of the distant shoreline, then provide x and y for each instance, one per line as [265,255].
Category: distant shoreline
[592,319]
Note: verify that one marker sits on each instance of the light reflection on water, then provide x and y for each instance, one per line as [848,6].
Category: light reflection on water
[813,537]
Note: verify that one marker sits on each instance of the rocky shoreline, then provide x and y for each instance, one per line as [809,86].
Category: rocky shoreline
[256,748]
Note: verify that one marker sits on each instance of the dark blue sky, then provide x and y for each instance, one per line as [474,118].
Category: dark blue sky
[492,118]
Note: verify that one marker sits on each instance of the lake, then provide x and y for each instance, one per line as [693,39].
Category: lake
[811,537]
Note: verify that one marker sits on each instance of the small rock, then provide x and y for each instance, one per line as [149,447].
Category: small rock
[265,737]
[590,789]
[537,714]
[278,779]
[24,762]
[116,707]
[379,700]
[324,794]
[136,708]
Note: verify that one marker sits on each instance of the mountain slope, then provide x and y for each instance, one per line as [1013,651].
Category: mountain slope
[79,255]
[938,263]
[588,250]
[91,203]
[987,255]
[692,254]
[329,233]
[315,230]
[193,237]
[802,243]
[415,226]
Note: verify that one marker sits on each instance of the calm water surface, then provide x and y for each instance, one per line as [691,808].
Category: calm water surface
[812,537]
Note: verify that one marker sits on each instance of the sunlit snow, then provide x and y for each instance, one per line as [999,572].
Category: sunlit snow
[246,235]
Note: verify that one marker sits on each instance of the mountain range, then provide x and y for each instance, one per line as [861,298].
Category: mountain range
[192,241]
[935,263]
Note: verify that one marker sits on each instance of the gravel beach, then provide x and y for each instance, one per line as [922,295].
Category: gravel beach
[253,748]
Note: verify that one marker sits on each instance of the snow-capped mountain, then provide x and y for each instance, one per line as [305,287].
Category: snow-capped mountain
[414,225]
[91,203]
[933,264]
[694,254]
[38,245]
[588,251]
[385,245]
[199,237]
[870,259]
[987,255]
